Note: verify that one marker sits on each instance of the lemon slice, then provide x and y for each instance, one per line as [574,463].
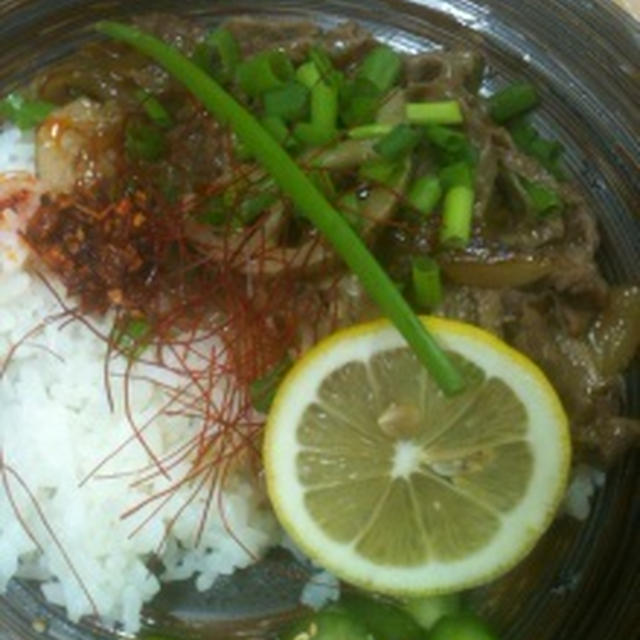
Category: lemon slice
[397,488]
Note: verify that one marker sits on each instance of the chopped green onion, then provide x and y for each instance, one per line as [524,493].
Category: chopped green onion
[443,112]
[522,132]
[322,128]
[398,142]
[375,130]
[154,109]
[289,101]
[359,101]
[461,626]
[445,137]
[133,337]
[381,67]
[456,174]
[427,610]
[218,53]
[264,71]
[144,141]
[451,145]
[308,74]
[547,152]
[512,101]
[331,623]
[384,620]
[424,194]
[325,67]
[544,201]
[25,113]
[263,390]
[457,212]
[427,286]
[294,183]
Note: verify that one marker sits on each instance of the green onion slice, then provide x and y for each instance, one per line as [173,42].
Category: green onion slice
[512,101]
[398,142]
[439,112]
[381,67]
[427,285]
[424,194]
[264,71]
[457,213]
[25,113]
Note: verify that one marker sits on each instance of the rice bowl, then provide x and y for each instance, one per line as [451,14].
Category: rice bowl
[128,479]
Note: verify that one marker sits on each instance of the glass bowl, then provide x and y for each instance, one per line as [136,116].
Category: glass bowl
[582,580]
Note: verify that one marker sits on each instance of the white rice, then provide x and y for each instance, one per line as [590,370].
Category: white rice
[60,521]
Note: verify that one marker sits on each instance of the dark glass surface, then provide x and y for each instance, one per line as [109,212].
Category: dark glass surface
[583,581]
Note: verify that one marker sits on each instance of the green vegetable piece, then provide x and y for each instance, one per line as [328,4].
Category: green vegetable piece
[457,213]
[219,54]
[445,137]
[359,102]
[399,142]
[322,128]
[450,145]
[547,152]
[154,109]
[427,285]
[424,194]
[462,626]
[263,390]
[313,135]
[133,337]
[332,623]
[428,610]
[289,101]
[365,131]
[328,73]
[24,113]
[512,101]
[438,112]
[144,141]
[264,71]
[308,74]
[381,67]
[456,174]
[295,184]
[522,132]
[543,200]
[382,619]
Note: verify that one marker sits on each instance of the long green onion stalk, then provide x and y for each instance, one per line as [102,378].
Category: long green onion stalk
[297,185]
